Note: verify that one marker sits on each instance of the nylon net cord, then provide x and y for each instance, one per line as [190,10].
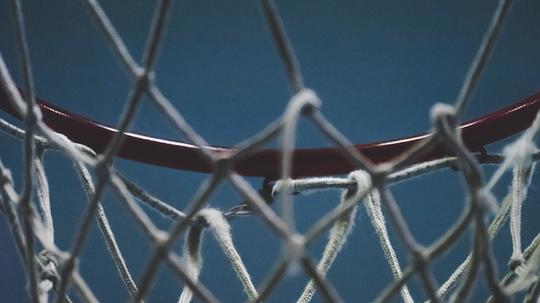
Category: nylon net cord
[52,272]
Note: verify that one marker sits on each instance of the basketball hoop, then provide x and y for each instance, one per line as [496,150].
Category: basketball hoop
[52,272]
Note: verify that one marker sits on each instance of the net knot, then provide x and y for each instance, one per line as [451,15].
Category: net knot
[144,78]
[214,217]
[520,152]
[307,100]
[420,257]
[362,180]
[294,251]
[223,164]
[442,110]
[48,272]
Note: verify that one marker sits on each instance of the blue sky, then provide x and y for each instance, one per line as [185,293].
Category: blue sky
[378,66]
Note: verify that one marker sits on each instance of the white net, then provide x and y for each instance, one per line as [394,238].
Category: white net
[53,272]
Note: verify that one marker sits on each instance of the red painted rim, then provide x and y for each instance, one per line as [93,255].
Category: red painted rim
[477,133]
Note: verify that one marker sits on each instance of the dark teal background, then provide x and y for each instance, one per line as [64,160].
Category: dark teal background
[378,66]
